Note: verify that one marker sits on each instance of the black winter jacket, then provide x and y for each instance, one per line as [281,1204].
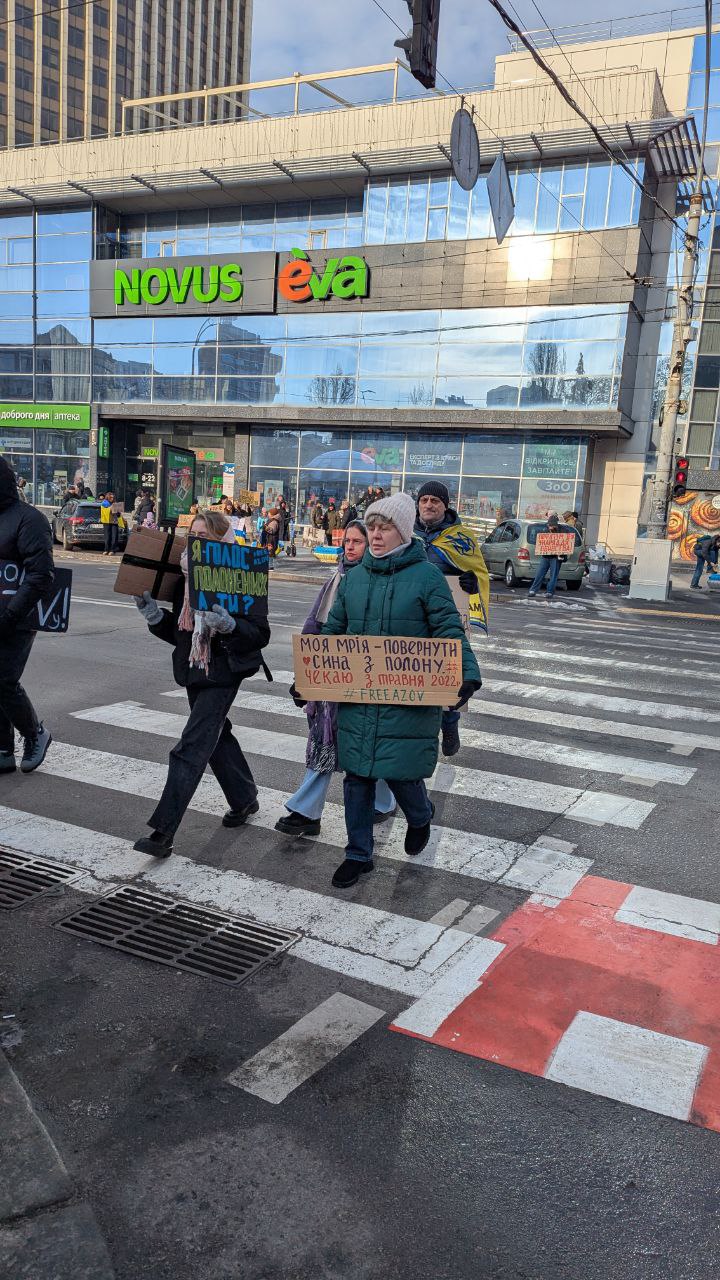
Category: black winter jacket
[26,539]
[232,658]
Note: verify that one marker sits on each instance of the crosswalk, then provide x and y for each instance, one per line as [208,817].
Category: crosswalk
[514,809]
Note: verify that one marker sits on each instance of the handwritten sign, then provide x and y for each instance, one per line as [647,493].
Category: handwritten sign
[555,544]
[184,522]
[52,612]
[379,670]
[248,498]
[228,574]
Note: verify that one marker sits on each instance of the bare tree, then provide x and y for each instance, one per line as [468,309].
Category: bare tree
[338,388]
[420,394]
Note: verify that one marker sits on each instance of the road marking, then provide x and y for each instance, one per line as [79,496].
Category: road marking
[629,1064]
[429,1012]
[458,852]
[518,649]
[306,1047]
[523,793]
[347,937]
[626,706]
[590,724]
[639,684]
[671,913]
[452,912]
[477,919]
[662,640]
[104,604]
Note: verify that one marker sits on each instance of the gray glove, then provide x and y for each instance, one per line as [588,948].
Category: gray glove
[149,609]
[219,622]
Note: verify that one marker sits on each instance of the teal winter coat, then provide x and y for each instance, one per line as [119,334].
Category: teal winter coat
[400,595]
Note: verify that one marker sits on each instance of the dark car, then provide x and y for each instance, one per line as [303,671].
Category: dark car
[78,524]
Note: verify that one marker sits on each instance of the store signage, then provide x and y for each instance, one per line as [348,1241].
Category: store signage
[223,284]
[150,451]
[210,455]
[346,277]
[56,417]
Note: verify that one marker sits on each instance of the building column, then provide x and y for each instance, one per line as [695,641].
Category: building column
[95,463]
[241,459]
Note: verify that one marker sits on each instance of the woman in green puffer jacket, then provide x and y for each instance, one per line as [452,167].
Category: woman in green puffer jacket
[395,591]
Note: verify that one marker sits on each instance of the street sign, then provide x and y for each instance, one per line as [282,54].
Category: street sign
[502,205]
[464,149]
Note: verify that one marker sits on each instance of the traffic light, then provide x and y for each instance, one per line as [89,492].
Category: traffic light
[421,45]
[681,477]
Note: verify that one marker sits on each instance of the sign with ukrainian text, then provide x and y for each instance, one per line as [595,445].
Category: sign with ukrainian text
[380,671]
[52,417]
[555,544]
[230,575]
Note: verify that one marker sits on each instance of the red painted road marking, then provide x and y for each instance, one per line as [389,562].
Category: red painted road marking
[574,957]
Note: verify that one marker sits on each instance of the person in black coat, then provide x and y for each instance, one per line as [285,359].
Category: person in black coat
[212,654]
[26,540]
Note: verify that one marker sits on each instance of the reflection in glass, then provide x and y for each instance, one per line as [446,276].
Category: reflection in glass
[492,455]
[274,448]
[321,449]
[484,497]
[247,390]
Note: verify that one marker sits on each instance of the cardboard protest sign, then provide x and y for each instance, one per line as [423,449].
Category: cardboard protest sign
[462,601]
[151,562]
[228,574]
[382,670]
[184,522]
[52,612]
[248,498]
[555,544]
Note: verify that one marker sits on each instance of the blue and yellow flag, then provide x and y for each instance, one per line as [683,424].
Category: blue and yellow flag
[460,548]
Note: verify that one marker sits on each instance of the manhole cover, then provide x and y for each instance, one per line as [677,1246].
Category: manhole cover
[23,878]
[194,939]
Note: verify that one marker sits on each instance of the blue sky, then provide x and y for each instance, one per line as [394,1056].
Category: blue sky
[323,35]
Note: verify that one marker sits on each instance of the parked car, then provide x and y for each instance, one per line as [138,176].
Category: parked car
[77,524]
[510,553]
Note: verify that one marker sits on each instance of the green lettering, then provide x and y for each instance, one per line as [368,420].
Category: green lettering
[127,289]
[179,289]
[211,293]
[163,288]
[351,280]
[321,288]
[231,283]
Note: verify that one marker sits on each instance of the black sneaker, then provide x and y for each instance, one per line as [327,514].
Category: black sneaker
[238,817]
[36,749]
[296,824]
[451,740]
[416,838]
[7,762]
[156,844]
[350,871]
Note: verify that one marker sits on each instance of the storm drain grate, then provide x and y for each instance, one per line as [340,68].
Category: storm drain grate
[194,939]
[23,878]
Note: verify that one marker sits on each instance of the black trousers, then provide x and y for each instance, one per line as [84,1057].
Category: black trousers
[16,709]
[111,533]
[207,739]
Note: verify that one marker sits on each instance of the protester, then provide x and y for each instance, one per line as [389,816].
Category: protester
[271,533]
[144,505]
[283,518]
[26,540]
[318,523]
[573,519]
[455,551]
[230,513]
[334,519]
[21,484]
[110,516]
[306,805]
[213,653]
[394,591]
[706,556]
[365,500]
[548,564]
[260,523]
[71,494]
[348,513]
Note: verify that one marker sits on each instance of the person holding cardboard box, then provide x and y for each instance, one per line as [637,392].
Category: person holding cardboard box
[548,564]
[212,654]
[394,591]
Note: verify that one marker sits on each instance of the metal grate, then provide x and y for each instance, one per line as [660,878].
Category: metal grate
[23,878]
[195,939]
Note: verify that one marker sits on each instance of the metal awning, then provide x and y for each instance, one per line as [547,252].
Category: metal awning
[675,150]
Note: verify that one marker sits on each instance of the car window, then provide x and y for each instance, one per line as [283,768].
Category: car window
[506,534]
[494,536]
[89,511]
[68,509]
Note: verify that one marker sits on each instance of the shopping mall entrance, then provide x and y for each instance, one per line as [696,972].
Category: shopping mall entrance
[134,459]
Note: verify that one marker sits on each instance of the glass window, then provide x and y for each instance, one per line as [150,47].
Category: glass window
[396,212]
[324,326]
[322,450]
[477,393]
[548,205]
[377,359]
[375,212]
[459,211]
[184,390]
[16,225]
[550,459]
[19,250]
[64,276]
[121,390]
[480,221]
[16,279]
[539,497]
[121,360]
[417,210]
[405,393]
[247,390]
[63,304]
[64,221]
[372,454]
[526,189]
[57,360]
[14,439]
[257,361]
[571,213]
[437,224]
[482,358]
[321,486]
[66,332]
[402,324]
[596,195]
[304,359]
[483,497]
[321,390]
[184,358]
[252,330]
[492,455]
[72,443]
[274,483]
[436,454]
[13,387]
[484,326]
[62,388]
[274,448]
[388,481]
[64,248]
[16,304]
[15,332]
[112,331]
[622,190]
[414,483]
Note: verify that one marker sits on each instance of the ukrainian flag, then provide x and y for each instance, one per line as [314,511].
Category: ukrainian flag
[459,547]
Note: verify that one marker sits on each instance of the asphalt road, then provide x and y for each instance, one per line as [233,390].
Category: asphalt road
[593,770]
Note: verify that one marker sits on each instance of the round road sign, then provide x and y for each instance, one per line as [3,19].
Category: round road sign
[464,149]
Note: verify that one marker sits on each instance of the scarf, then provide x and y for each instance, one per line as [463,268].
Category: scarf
[194,620]
[395,551]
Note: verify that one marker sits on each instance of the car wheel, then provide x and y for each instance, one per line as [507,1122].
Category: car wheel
[573,586]
[510,576]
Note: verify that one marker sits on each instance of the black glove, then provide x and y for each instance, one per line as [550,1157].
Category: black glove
[299,702]
[468,582]
[465,693]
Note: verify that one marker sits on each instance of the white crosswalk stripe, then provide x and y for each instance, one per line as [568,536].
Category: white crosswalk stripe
[525,793]
[517,649]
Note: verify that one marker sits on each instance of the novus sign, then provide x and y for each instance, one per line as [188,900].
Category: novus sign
[223,285]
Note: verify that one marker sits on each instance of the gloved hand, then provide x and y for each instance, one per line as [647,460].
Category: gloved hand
[299,702]
[219,621]
[468,582]
[149,609]
[465,693]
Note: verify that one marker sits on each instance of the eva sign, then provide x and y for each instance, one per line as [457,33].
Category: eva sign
[345,277]
[52,612]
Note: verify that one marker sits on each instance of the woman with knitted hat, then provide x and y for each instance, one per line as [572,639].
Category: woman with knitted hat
[395,591]
[212,654]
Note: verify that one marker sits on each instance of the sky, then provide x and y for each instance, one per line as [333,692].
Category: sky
[324,35]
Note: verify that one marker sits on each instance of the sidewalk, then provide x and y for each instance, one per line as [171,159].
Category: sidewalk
[46,1231]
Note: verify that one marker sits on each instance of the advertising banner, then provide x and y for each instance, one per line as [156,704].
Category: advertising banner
[55,417]
[178,482]
[230,575]
[383,670]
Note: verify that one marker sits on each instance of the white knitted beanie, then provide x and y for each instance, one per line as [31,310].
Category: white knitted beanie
[400,509]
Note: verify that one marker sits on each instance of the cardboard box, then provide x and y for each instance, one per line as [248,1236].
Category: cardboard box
[151,563]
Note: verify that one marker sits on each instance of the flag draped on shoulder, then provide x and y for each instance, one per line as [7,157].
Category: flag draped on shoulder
[459,547]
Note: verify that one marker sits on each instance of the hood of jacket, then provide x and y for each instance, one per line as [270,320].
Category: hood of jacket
[8,489]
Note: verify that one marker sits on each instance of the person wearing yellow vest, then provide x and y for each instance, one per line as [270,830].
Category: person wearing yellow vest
[456,552]
[111,520]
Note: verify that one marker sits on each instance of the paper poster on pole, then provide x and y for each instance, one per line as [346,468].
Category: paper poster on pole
[378,670]
[228,574]
[555,544]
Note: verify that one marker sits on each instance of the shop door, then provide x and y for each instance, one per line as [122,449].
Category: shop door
[208,483]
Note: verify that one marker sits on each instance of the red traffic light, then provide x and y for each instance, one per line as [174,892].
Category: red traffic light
[682,466]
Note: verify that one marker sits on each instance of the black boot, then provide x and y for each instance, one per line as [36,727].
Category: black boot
[296,824]
[238,817]
[416,838]
[451,740]
[156,844]
[350,871]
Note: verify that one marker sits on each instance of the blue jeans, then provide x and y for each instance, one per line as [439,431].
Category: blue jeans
[309,799]
[701,560]
[546,562]
[360,805]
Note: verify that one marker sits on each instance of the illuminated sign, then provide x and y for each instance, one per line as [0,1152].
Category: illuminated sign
[346,277]
[155,285]
[56,417]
